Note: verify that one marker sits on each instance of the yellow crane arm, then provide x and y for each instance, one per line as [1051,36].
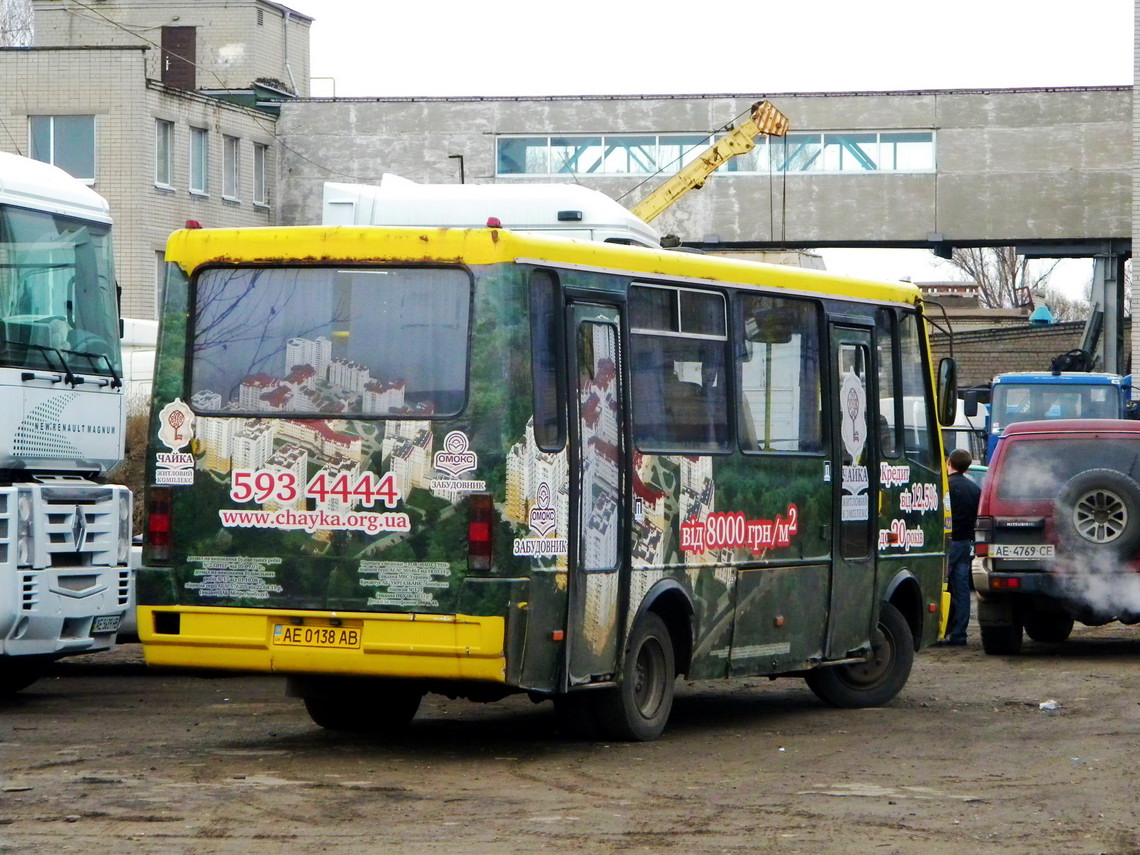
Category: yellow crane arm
[765,119]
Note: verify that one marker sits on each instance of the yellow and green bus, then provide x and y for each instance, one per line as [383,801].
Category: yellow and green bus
[391,461]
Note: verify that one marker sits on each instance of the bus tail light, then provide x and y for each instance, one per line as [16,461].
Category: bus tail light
[983,534]
[158,523]
[480,530]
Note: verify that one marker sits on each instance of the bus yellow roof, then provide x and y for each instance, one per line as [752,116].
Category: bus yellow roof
[193,248]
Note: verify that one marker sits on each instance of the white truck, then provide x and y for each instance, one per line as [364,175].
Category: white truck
[553,210]
[64,534]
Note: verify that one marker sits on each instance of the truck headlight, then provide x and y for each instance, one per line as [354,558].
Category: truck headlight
[124,526]
[24,530]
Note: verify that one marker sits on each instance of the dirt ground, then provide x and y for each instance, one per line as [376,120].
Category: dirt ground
[104,756]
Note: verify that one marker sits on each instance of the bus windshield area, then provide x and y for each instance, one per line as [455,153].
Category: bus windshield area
[303,341]
[58,308]
[1023,403]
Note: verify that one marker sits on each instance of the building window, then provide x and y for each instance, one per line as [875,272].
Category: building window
[163,153]
[199,160]
[260,187]
[834,152]
[231,185]
[65,141]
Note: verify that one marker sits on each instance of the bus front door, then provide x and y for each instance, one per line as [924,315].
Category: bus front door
[598,465]
[855,484]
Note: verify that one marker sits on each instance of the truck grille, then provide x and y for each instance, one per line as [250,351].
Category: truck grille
[63,522]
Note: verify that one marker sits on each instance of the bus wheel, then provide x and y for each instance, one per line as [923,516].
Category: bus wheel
[384,708]
[639,707]
[876,681]
[17,675]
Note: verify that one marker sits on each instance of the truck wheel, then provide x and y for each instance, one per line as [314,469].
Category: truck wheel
[380,708]
[1003,640]
[637,709]
[876,681]
[1100,508]
[16,675]
[1049,627]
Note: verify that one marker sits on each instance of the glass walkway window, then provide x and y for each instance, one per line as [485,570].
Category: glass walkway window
[642,154]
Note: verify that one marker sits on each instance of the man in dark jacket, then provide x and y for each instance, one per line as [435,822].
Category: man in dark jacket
[964,497]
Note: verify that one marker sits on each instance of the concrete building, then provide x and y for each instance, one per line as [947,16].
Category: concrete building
[909,169]
[154,106]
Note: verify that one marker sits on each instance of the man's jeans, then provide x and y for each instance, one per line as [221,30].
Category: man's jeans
[958,577]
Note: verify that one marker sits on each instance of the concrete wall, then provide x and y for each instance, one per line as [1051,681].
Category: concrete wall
[233,50]
[1012,165]
[110,83]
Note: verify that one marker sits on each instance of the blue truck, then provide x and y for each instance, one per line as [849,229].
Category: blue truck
[1029,395]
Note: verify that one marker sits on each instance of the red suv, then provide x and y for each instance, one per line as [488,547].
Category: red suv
[1058,531]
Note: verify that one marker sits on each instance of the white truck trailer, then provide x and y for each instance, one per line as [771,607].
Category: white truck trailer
[65,534]
[564,210]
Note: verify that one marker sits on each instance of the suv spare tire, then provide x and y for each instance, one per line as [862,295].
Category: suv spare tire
[1099,509]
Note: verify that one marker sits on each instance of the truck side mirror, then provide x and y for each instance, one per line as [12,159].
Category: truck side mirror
[970,404]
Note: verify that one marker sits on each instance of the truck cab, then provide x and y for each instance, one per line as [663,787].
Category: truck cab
[1031,396]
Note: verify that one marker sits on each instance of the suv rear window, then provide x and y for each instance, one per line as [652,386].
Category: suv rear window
[1038,468]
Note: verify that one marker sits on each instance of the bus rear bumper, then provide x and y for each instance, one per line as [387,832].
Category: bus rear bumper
[419,646]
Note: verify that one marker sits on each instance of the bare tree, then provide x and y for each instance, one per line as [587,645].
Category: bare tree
[1004,279]
[16,23]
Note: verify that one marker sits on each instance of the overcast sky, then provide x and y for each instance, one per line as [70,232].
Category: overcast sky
[533,47]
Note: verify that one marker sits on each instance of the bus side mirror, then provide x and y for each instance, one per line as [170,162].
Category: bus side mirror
[947,390]
[970,404]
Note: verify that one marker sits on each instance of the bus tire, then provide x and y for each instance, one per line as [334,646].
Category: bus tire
[876,681]
[387,708]
[638,708]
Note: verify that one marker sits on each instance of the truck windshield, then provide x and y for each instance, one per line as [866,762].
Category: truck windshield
[303,342]
[1023,403]
[58,306]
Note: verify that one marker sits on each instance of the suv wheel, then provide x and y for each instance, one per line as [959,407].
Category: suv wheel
[1048,627]
[1001,640]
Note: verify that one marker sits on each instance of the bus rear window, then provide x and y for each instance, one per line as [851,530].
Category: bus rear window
[319,342]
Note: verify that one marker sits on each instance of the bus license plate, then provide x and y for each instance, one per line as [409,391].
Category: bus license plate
[1023,550]
[335,637]
[105,623]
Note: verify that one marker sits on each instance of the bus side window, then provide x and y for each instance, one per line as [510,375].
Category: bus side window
[918,438]
[546,364]
[889,421]
[778,373]
[677,350]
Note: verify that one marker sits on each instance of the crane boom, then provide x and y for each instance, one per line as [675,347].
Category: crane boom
[765,119]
